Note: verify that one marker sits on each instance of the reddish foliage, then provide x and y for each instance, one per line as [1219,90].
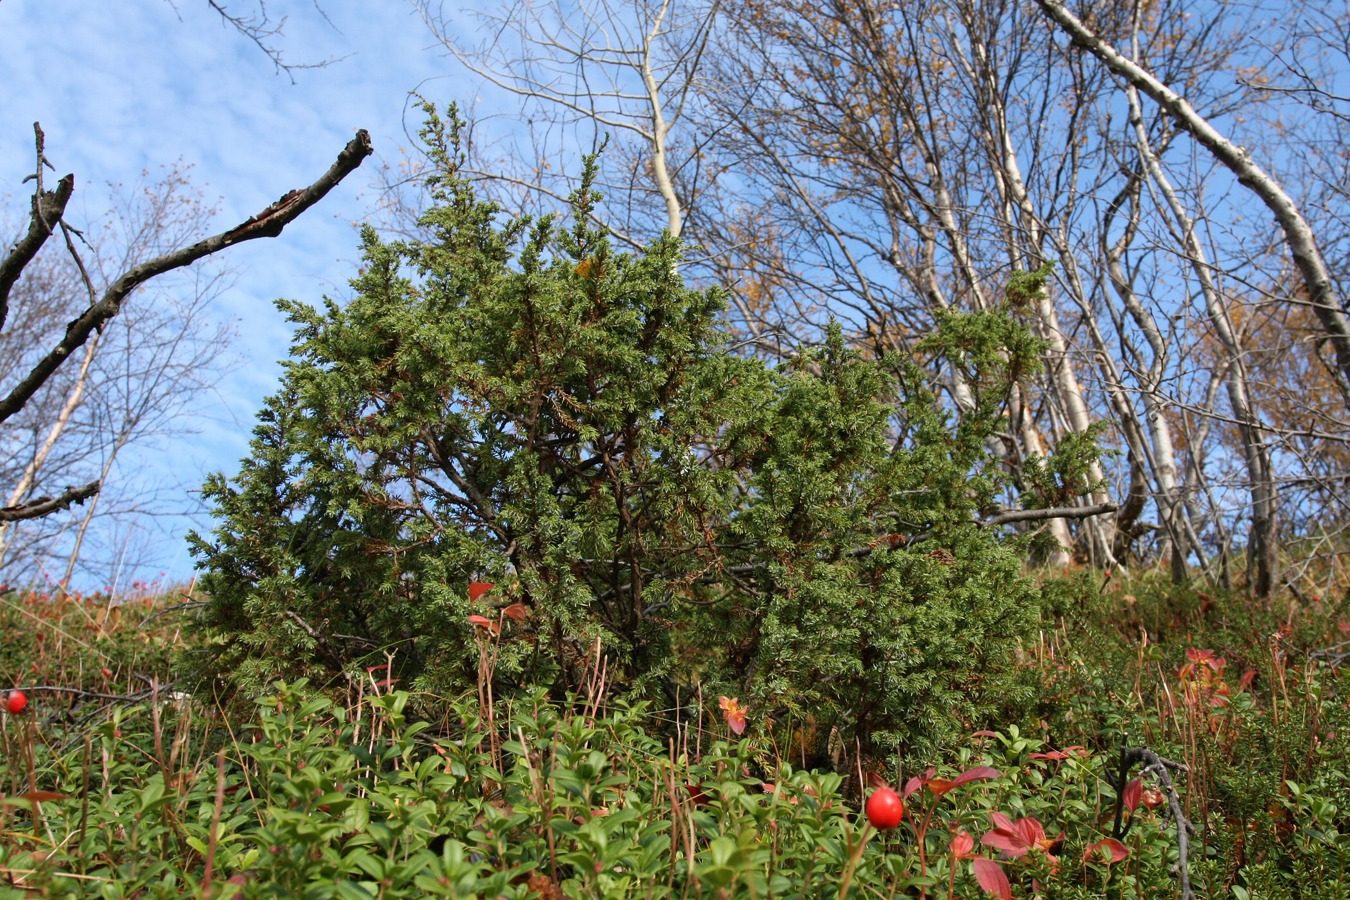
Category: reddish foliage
[1017,838]
[484,622]
[940,786]
[917,782]
[992,878]
[1133,792]
[734,714]
[1059,755]
[1116,851]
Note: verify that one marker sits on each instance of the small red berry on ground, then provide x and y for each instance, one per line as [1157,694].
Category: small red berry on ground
[16,702]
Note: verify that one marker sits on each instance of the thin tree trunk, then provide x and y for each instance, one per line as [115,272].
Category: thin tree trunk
[1162,455]
[1068,389]
[54,433]
[1263,537]
[90,508]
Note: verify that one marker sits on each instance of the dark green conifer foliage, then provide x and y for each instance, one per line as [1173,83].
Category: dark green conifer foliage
[514,401]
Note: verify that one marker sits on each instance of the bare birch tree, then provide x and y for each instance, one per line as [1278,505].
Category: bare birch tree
[1298,233]
[889,128]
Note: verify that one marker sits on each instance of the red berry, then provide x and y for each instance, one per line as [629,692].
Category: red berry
[885,809]
[16,702]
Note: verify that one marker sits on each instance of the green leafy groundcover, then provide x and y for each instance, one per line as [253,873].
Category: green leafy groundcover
[322,800]
[106,794]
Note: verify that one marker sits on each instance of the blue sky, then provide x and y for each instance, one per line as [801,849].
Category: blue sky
[124,87]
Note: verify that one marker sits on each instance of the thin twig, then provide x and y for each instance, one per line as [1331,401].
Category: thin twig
[1007,517]
[182,607]
[1159,768]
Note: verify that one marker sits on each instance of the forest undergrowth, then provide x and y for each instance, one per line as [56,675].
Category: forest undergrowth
[118,783]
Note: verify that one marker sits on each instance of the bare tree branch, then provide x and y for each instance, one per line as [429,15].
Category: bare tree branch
[260,28]
[1057,512]
[620,65]
[44,506]
[1158,767]
[268,223]
[48,208]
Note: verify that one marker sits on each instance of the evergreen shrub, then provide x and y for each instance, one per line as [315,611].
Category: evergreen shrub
[516,402]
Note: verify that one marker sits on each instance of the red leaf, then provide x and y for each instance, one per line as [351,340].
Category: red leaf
[992,878]
[483,622]
[734,713]
[917,782]
[1133,791]
[962,845]
[941,786]
[1116,850]
[1013,838]
[516,611]
[1032,832]
[479,588]
[1009,842]
[696,793]
[1206,657]
[1057,755]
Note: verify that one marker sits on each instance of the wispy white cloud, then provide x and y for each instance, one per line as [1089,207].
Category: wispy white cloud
[120,88]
